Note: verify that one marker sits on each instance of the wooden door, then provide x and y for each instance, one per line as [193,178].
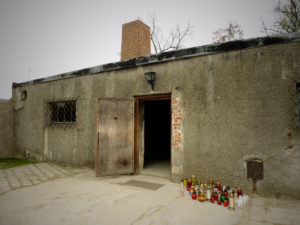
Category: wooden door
[115,137]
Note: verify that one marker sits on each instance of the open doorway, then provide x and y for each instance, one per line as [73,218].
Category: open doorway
[157,133]
[154,135]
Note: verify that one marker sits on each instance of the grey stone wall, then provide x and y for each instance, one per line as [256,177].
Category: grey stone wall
[6,129]
[242,105]
[235,106]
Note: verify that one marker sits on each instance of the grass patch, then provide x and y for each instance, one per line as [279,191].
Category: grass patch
[14,162]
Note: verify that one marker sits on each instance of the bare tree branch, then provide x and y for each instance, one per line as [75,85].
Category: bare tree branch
[173,42]
[264,27]
[286,18]
[153,32]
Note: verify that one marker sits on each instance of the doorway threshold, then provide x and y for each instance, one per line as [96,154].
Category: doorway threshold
[157,168]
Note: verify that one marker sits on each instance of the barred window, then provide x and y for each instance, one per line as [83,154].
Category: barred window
[62,112]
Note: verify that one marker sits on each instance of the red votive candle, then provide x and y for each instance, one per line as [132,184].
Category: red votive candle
[194,196]
[225,203]
[216,197]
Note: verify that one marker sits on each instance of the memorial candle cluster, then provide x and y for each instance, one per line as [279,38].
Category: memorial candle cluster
[214,192]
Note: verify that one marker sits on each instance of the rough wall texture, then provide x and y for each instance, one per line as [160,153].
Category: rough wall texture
[6,129]
[235,106]
[241,105]
[135,40]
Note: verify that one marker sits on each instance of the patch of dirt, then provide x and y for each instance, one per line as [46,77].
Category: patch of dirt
[2,165]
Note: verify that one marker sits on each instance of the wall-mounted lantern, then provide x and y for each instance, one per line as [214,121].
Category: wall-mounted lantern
[150,78]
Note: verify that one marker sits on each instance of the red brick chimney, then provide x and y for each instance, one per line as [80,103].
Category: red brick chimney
[135,40]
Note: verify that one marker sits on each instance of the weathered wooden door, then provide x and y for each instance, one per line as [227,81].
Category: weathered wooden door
[115,137]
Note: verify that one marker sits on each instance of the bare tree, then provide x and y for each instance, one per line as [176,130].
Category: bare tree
[286,18]
[174,40]
[233,31]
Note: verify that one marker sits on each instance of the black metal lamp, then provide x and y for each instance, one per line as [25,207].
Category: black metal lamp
[150,78]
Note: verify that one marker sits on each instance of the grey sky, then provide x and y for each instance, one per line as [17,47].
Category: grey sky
[49,37]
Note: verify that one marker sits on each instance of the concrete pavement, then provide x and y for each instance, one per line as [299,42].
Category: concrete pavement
[49,194]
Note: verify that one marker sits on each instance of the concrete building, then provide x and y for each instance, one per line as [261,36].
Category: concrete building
[227,111]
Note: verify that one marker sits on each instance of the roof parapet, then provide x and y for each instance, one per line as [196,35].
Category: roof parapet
[172,55]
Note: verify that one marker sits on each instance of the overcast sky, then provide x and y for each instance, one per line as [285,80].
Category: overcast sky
[40,38]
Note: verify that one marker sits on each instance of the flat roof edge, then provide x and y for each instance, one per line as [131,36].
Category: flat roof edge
[172,55]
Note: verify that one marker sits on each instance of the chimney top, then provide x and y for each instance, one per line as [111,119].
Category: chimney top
[135,40]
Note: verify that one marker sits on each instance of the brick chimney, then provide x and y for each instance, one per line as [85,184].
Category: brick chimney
[135,40]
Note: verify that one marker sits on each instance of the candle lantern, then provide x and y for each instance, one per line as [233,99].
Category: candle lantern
[216,196]
[201,187]
[199,181]
[219,185]
[222,197]
[204,190]
[201,197]
[212,199]
[184,182]
[223,188]
[239,191]
[208,194]
[199,193]
[191,190]
[219,195]
[189,183]
[231,203]
[225,203]
[196,185]
[194,195]
[193,179]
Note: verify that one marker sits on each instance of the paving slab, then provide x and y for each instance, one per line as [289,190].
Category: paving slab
[66,196]
[33,174]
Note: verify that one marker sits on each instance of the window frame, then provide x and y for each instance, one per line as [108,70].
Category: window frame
[60,117]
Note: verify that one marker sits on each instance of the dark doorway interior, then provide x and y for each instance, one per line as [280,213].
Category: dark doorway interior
[157,132]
